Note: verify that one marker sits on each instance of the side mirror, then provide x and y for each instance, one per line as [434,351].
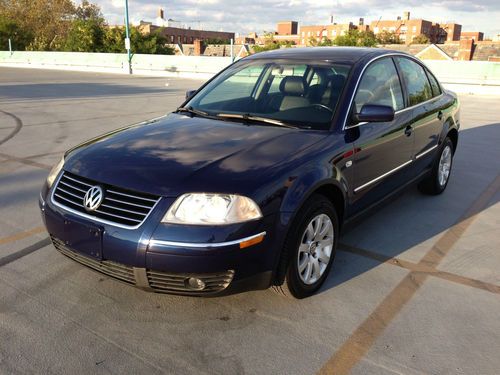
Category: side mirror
[374,113]
[190,93]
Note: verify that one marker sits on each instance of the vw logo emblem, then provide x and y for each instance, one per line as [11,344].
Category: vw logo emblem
[93,198]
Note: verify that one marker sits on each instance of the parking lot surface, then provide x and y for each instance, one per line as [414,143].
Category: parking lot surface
[415,288]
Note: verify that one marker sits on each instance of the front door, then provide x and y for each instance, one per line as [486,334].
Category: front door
[383,151]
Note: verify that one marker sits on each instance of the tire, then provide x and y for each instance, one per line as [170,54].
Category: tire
[305,244]
[439,176]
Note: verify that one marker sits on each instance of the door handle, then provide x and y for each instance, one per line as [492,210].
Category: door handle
[440,115]
[408,130]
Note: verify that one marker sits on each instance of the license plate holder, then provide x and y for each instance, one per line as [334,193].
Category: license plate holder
[83,238]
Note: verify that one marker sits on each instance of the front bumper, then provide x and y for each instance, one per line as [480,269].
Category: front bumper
[158,258]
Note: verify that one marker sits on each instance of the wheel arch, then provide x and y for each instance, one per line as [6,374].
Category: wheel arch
[332,190]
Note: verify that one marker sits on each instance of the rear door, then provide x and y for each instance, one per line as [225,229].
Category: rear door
[383,150]
[423,96]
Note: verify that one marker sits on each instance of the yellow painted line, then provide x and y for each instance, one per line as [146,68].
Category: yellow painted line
[363,337]
[21,235]
[415,267]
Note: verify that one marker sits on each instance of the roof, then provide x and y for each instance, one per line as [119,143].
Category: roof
[348,54]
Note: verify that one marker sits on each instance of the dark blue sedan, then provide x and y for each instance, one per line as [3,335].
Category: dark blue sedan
[248,184]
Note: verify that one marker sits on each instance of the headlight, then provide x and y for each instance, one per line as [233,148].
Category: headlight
[211,209]
[54,172]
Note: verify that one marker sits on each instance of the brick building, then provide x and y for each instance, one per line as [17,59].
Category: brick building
[407,29]
[176,34]
[476,36]
[288,28]
[320,32]
[181,35]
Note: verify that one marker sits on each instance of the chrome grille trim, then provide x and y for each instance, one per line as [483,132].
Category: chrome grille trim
[155,281]
[113,269]
[123,209]
[176,283]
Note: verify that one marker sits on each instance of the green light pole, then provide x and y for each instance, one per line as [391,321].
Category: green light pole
[127,39]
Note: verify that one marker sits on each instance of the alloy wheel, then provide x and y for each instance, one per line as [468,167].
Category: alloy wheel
[315,249]
[444,166]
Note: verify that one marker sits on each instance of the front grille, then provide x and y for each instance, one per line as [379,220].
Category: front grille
[157,281]
[116,270]
[119,206]
[177,283]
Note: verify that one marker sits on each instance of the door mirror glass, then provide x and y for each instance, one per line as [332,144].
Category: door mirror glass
[374,113]
[190,93]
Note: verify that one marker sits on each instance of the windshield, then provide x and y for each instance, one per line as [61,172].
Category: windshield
[291,93]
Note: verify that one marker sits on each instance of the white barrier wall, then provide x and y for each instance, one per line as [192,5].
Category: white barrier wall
[168,65]
[481,77]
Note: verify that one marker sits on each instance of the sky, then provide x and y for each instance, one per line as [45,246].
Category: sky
[242,16]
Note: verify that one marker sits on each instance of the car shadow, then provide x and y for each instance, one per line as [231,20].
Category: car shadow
[408,225]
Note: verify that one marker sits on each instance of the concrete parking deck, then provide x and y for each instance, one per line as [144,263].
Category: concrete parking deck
[415,288]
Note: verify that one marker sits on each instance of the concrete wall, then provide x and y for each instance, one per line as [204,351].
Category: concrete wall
[482,77]
[181,66]
[474,77]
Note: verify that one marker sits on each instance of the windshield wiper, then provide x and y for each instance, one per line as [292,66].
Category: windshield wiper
[249,117]
[193,111]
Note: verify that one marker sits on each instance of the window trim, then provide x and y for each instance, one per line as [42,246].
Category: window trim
[345,126]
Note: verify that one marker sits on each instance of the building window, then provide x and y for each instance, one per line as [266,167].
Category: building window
[414,28]
[317,33]
[334,32]
[375,30]
[303,33]
[171,38]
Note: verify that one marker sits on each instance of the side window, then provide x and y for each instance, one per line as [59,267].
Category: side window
[380,85]
[436,90]
[417,84]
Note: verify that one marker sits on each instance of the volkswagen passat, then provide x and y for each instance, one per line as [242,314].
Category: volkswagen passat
[249,182]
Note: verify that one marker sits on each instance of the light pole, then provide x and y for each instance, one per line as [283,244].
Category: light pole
[127,39]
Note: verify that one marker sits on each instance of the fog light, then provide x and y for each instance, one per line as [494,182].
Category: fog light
[195,283]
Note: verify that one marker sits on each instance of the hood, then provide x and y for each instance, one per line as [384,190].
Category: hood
[178,153]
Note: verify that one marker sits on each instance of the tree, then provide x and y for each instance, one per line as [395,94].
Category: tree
[355,37]
[88,11]
[420,39]
[271,44]
[388,37]
[11,30]
[87,30]
[47,21]
[85,36]
[153,43]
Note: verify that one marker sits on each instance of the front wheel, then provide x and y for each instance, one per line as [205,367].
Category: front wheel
[437,181]
[310,246]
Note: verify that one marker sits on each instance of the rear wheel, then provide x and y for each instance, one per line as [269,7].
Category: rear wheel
[310,246]
[437,181]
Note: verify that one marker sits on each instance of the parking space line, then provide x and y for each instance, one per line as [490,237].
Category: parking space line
[21,235]
[452,277]
[25,161]
[26,251]
[364,336]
